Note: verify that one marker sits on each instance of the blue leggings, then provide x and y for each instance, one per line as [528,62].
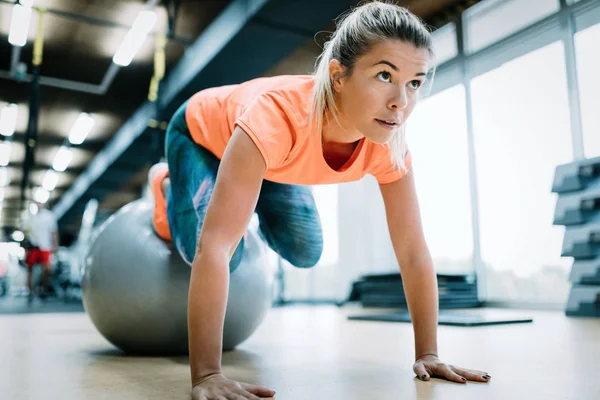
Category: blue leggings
[288,218]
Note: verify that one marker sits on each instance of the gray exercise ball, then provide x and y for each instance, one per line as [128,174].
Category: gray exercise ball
[135,287]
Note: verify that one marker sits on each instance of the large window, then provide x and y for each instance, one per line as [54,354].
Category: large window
[326,197]
[321,281]
[588,65]
[437,136]
[492,20]
[522,132]
[445,45]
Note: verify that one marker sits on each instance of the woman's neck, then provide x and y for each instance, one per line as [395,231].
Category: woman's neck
[338,142]
[338,131]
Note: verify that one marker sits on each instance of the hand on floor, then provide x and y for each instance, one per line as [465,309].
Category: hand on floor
[430,366]
[219,387]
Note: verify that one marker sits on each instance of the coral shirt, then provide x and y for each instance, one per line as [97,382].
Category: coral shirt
[275,113]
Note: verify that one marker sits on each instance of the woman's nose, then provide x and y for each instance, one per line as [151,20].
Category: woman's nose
[399,101]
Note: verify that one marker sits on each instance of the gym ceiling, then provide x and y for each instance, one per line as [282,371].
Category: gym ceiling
[90,120]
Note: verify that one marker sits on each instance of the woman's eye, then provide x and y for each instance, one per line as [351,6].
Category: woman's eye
[384,76]
[415,84]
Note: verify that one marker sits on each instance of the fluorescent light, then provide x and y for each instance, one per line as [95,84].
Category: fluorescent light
[19,24]
[41,195]
[135,37]
[50,180]
[62,159]
[18,236]
[4,179]
[8,119]
[82,126]
[33,208]
[4,153]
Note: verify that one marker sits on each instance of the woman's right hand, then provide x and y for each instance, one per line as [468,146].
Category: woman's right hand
[219,387]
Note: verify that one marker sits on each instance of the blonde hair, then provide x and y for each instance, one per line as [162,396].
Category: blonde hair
[356,31]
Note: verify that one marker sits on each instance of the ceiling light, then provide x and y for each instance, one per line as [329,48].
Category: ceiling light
[19,24]
[62,159]
[135,37]
[18,236]
[4,153]
[41,195]
[8,119]
[50,180]
[33,209]
[81,128]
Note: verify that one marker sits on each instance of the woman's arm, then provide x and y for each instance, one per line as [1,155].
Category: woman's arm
[418,274]
[229,212]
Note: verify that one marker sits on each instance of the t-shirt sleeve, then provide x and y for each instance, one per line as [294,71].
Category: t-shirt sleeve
[385,171]
[269,127]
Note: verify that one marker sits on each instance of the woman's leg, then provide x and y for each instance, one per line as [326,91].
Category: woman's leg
[290,223]
[192,175]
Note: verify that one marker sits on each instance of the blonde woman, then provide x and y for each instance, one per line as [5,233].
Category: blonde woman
[257,146]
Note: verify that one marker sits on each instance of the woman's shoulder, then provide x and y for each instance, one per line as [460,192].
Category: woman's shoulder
[291,95]
[293,87]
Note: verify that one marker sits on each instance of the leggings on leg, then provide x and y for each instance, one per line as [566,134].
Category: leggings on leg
[288,218]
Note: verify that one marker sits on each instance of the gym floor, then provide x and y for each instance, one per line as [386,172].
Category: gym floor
[306,352]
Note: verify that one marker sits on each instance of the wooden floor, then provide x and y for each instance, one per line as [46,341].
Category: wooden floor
[309,353]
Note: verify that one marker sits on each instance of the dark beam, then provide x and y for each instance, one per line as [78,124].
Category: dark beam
[58,188]
[40,166]
[32,127]
[47,139]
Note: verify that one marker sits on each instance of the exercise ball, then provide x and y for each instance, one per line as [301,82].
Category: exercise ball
[135,287]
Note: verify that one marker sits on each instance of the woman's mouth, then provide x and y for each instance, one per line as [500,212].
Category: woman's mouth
[387,124]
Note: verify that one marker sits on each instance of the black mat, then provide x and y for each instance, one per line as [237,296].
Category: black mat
[445,319]
[20,305]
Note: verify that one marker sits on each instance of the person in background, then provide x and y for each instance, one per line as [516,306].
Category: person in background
[42,233]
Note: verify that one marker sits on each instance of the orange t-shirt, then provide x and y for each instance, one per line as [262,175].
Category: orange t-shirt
[275,113]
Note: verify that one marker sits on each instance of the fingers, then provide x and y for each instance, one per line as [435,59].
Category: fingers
[449,374]
[198,396]
[258,390]
[241,394]
[472,375]
[438,370]
[420,370]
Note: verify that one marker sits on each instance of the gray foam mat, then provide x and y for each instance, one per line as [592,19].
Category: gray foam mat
[445,319]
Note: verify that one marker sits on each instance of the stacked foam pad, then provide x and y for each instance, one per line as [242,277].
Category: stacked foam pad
[578,209]
[386,290]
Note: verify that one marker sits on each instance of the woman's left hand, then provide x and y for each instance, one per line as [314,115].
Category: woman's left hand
[430,366]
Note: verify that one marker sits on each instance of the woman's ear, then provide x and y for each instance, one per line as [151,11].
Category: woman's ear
[336,73]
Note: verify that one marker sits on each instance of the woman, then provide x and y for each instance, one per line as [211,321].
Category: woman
[256,146]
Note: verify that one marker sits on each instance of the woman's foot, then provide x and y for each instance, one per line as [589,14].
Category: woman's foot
[158,181]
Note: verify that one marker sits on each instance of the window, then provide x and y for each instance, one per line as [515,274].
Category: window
[437,137]
[522,132]
[588,65]
[492,20]
[326,197]
[445,46]
[323,280]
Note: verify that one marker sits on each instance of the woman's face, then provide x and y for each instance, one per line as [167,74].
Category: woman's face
[382,90]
